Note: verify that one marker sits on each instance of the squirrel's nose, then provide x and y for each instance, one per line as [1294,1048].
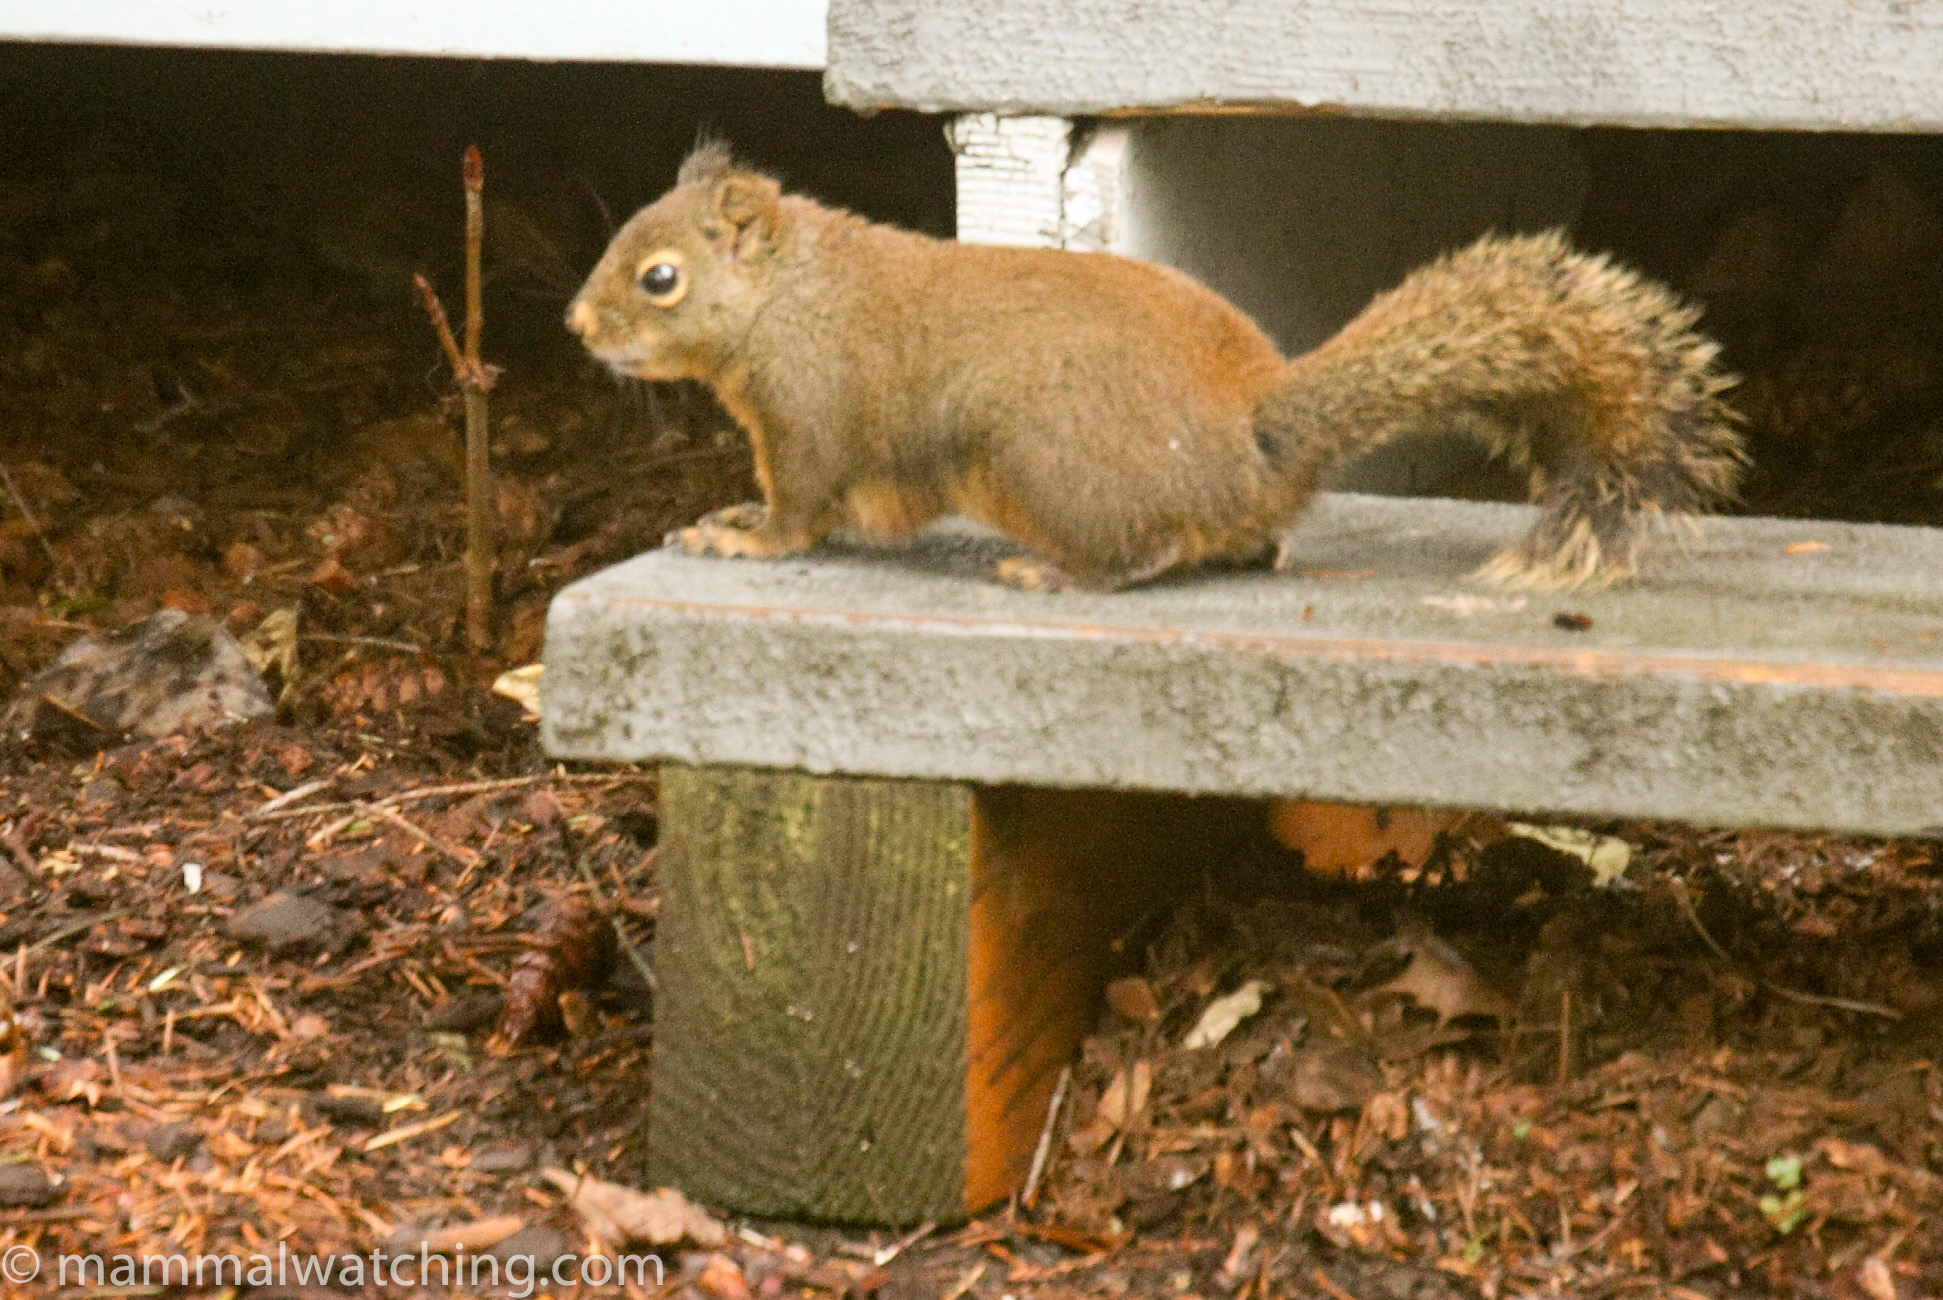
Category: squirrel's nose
[580,318]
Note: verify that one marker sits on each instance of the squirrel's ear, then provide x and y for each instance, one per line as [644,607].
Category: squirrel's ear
[744,206]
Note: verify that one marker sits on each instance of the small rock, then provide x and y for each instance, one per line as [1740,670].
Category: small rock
[24,1185]
[1331,1077]
[219,884]
[172,672]
[502,1160]
[541,1246]
[332,576]
[1133,997]
[466,1012]
[363,1112]
[168,1142]
[308,1026]
[241,562]
[102,790]
[284,921]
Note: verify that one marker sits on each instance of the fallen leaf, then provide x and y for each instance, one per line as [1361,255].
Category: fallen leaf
[722,1278]
[1126,1096]
[274,645]
[1223,1014]
[1338,839]
[1439,979]
[522,687]
[1607,855]
[332,576]
[622,1214]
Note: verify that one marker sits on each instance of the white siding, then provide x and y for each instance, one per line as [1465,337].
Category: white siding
[746,33]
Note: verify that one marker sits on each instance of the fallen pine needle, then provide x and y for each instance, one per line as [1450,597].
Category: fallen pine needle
[393,1136]
[268,814]
[466,858]
[967,1282]
[1329,1286]
[289,797]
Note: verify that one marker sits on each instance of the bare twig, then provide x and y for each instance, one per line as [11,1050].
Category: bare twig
[1856,1005]
[475,380]
[466,858]
[1685,897]
[376,642]
[289,797]
[639,962]
[904,1243]
[441,325]
[966,1282]
[479,541]
[473,172]
[73,928]
[1044,1149]
[71,711]
[17,849]
[20,503]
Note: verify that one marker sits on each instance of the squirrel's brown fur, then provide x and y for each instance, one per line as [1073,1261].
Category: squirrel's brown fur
[1123,420]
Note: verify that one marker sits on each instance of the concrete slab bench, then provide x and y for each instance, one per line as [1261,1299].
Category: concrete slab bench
[907,812]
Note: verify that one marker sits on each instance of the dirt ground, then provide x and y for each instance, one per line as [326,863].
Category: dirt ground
[255,976]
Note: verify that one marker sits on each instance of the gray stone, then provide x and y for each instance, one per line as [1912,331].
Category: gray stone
[539,1245]
[502,1160]
[1769,672]
[169,1142]
[25,1185]
[172,672]
[285,920]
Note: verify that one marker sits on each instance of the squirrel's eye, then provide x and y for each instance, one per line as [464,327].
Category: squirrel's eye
[662,280]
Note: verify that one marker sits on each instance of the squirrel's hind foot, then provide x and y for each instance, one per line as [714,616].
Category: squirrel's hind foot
[1030,573]
[1035,573]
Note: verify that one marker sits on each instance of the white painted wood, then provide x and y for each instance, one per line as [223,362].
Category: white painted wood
[1011,178]
[1871,65]
[1096,193]
[746,33]
[1300,221]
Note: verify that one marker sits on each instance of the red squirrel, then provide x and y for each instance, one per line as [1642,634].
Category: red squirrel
[1120,419]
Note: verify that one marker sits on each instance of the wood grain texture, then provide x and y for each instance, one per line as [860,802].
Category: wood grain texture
[868,987]
[809,1035]
[1868,65]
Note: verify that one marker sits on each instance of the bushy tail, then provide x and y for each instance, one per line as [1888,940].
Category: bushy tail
[1585,375]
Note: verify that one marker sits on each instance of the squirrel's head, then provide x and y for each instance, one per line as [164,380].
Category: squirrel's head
[684,277]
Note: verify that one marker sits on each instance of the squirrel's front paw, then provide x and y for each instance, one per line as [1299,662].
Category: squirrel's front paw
[734,531]
[745,514]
